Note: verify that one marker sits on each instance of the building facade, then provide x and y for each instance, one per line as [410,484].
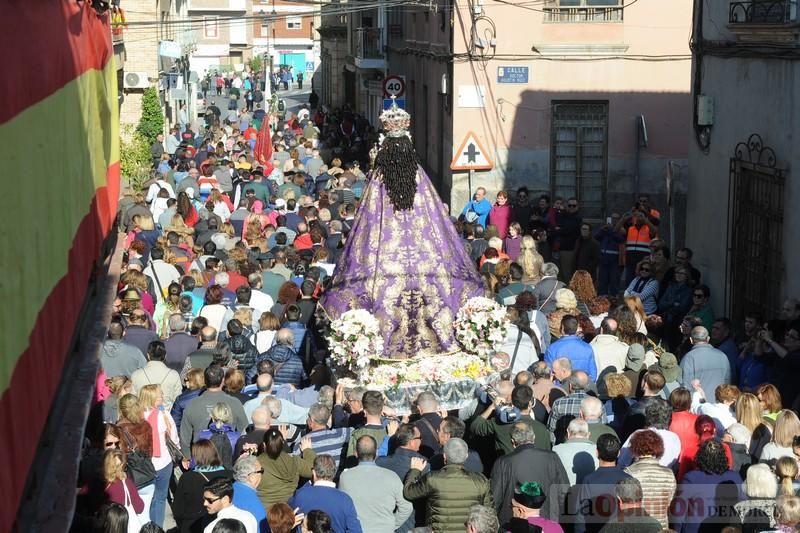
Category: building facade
[155,41]
[224,35]
[285,35]
[741,153]
[591,100]
[334,49]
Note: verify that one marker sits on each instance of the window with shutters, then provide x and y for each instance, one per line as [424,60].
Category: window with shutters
[579,154]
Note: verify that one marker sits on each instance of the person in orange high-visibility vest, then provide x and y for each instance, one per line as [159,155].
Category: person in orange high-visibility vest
[640,231]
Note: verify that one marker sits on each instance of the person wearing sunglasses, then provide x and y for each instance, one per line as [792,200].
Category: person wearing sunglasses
[701,306]
[247,473]
[218,500]
[645,286]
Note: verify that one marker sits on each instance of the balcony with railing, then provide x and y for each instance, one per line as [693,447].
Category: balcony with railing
[762,12]
[581,11]
[367,48]
[765,22]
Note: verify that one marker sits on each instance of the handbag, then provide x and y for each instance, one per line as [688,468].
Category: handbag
[471,216]
[134,525]
[140,467]
[174,450]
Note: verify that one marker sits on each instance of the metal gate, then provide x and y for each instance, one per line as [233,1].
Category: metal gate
[579,154]
[755,231]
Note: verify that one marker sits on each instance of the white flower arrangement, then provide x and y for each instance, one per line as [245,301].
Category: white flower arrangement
[481,326]
[355,339]
[428,369]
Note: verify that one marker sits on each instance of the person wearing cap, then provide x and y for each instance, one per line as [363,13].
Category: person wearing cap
[667,364]
[526,507]
[634,367]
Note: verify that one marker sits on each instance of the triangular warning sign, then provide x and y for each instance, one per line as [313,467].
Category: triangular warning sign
[471,155]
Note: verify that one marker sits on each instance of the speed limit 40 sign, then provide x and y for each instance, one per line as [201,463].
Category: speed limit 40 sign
[394,86]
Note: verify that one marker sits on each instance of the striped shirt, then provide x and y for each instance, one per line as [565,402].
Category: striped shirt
[658,487]
[331,442]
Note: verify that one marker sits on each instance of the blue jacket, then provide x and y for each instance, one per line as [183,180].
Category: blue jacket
[180,404]
[675,302]
[291,370]
[338,505]
[246,498]
[482,208]
[578,352]
[299,331]
[609,245]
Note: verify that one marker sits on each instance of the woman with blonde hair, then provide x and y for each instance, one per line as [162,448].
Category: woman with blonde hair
[268,326]
[787,514]
[222,433]
[748,414]
[133,279]
[119,386]
[634,303]
[760,488]
[566,304]
[119,487]
[151,399]
[787,425]
[222,204]
[786,469]
[178,226]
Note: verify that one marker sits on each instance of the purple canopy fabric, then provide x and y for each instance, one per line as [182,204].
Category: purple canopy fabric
[409,268]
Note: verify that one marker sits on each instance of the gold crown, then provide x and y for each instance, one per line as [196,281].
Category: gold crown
[395,121]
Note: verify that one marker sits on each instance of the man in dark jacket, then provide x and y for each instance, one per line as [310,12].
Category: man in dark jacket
[527,463]
[453,427]
[242,349]
[204,355]
[428,424]
[450,492]
[595,495]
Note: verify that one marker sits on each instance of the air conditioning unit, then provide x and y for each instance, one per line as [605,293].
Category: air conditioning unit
[136,80]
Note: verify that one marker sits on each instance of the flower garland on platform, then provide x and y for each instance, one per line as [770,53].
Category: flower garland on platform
[424,369]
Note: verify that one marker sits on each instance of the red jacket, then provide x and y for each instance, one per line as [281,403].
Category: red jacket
[683,426]
[500,217]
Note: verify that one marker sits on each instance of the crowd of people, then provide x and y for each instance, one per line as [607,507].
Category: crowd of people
[623,403]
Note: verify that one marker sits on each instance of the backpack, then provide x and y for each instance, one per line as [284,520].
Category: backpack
[223,445]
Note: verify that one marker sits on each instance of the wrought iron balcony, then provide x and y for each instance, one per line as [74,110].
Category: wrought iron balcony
[762,12]
[368,44]
[583,11]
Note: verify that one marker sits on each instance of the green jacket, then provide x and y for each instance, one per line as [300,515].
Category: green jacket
[448,493]
[282,475]
[376,432]
[482,427]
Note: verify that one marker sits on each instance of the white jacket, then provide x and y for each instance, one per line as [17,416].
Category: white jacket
[609,351]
